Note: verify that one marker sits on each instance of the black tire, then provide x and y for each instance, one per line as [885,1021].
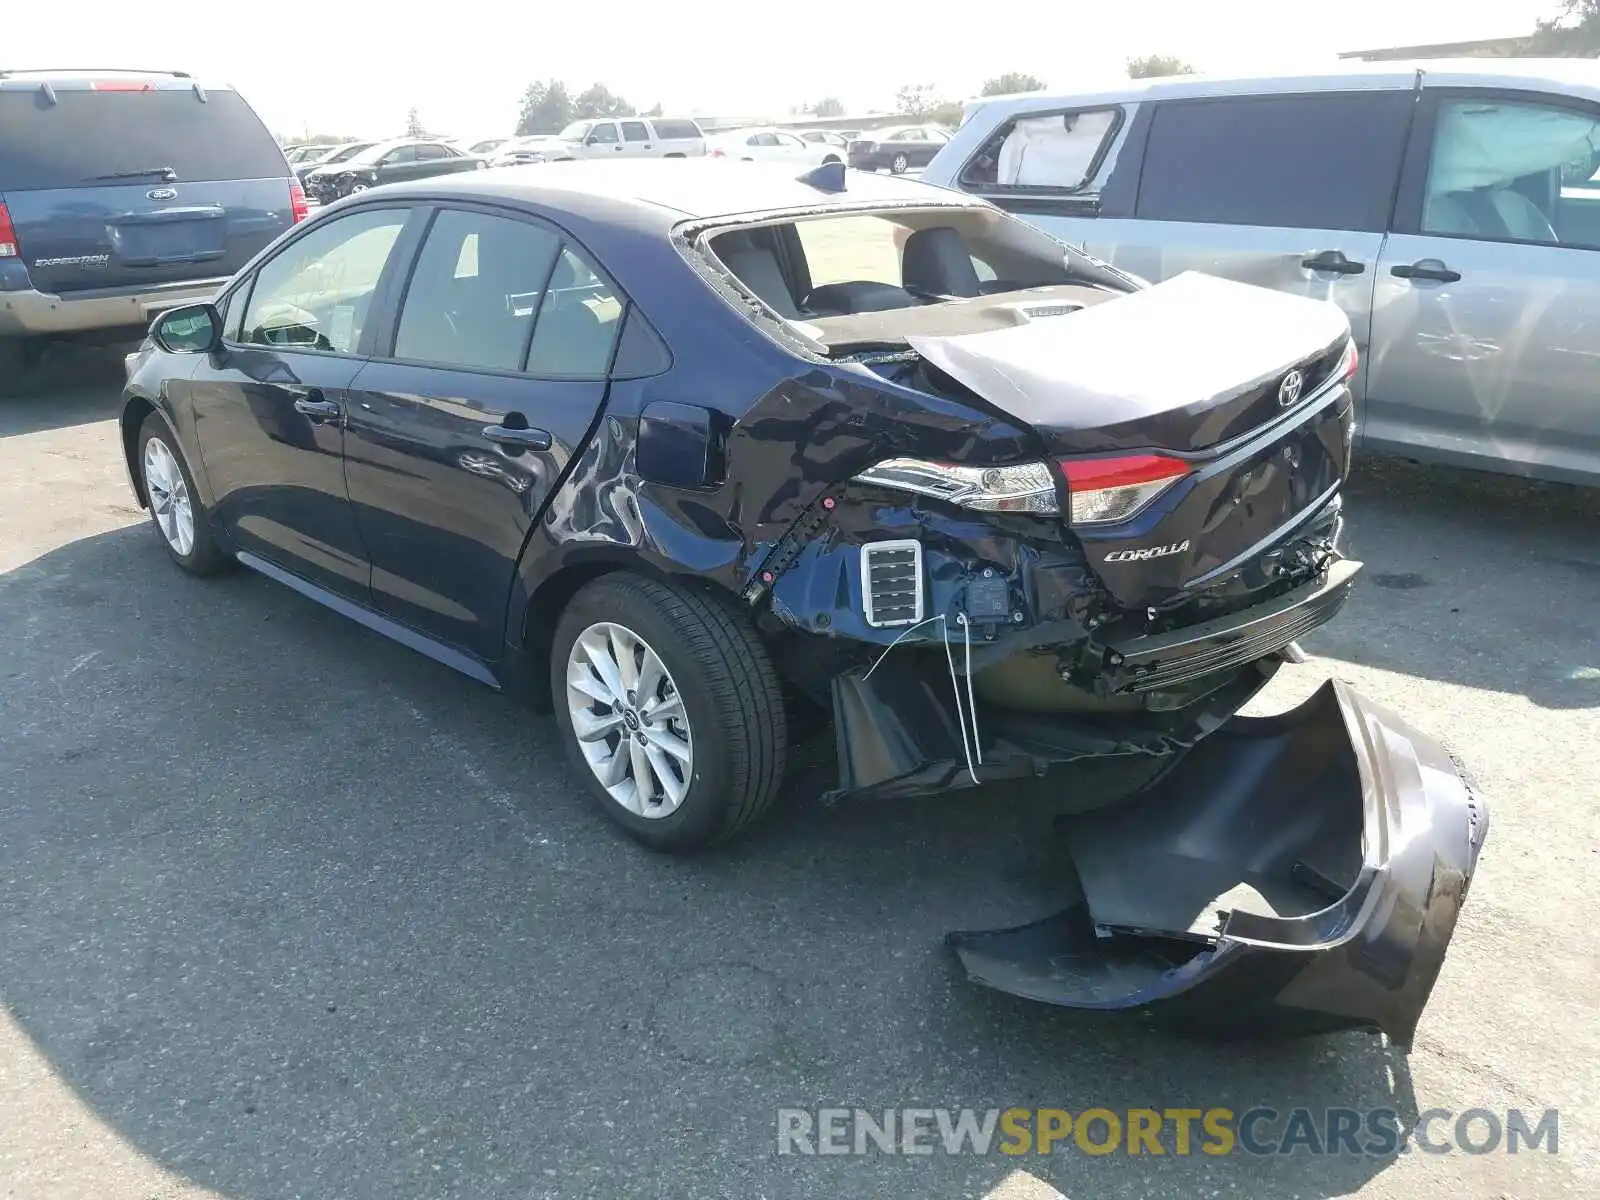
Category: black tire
[731,696]
[205,557]
[899,164]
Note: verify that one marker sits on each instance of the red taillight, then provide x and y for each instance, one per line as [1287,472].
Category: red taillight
[298,207]
[1106,490]
[8,234]
[719,154]
[121,85]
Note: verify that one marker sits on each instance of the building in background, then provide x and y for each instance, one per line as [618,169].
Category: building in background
[1505,47]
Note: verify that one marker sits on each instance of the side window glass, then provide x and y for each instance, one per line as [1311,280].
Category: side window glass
[474,292]
[316,294]
[1506,171]
[1327,161]
[401,154]
[604,131]
[1057,151]
[635,131]
[577,323]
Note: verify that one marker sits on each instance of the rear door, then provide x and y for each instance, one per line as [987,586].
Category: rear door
[1484,334]
[398,165]
[435,158]
[934,141]
[127,184]
[636,140]
[460,428]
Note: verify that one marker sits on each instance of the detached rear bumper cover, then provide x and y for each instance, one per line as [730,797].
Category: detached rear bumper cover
[1295,874]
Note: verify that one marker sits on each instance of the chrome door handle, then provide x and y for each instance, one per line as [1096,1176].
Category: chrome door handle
[313,405]
[517,438]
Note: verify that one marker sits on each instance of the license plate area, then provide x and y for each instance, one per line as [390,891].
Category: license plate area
[148,243]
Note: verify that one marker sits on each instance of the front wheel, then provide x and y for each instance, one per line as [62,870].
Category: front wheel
[899,163]
[175,507]
[356,189]
[670,709]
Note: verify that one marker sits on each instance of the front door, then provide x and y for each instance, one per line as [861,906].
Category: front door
[1485,343]
[490,382]
[269,407]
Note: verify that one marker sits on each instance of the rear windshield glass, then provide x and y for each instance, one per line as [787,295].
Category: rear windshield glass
[85,135]
[860,279]
[671,127]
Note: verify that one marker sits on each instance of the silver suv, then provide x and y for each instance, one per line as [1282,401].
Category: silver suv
[1451,209]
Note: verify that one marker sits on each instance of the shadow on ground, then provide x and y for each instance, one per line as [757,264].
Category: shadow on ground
[1440,547]
[74,385]
[299,913]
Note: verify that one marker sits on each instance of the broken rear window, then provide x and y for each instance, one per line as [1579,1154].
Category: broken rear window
[875,277]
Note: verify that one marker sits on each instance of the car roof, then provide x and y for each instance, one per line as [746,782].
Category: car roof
[665,191]
[1558,74]
[81,79]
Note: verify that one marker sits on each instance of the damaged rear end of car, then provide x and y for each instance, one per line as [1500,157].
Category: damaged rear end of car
[1012,510]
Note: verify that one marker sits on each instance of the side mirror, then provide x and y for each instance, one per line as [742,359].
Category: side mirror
[192,329]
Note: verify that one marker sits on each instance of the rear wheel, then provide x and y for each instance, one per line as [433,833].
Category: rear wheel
[671,711]
[899,163]
[175,507]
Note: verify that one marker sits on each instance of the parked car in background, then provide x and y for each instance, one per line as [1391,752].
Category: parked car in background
[330,156]
[633,137]
[536,147]
[898,150]
[388,162]
[825,137]
[123,194]
[698,472]
[1449,208]
[485,148]
[310,152]
[771,145]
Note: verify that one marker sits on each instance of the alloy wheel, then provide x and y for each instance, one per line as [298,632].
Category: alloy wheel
[168,493]
[629,720]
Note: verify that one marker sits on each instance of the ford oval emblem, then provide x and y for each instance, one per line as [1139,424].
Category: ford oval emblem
[162,194]
[1289,389]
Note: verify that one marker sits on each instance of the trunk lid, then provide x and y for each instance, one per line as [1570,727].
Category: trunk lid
[1190,374]
[125,182]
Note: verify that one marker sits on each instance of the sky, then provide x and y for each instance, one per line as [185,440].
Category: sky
[356,67]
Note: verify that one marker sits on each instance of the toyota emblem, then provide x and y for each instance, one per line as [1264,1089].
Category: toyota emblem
[1289,389]
[162,194]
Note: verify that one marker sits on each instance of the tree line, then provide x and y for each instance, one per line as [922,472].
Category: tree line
[549,107]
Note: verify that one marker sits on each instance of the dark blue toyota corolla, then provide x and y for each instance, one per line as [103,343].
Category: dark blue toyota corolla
[691,451]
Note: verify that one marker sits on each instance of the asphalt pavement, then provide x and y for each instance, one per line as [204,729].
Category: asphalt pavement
[289,911]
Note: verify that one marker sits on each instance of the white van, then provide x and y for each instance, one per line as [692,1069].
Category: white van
[632,137]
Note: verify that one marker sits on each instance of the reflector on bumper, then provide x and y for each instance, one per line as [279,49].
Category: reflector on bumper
[1295,874]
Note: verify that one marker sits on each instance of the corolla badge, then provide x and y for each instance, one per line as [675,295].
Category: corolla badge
[1146,553]
[1289,390]
[162,194]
